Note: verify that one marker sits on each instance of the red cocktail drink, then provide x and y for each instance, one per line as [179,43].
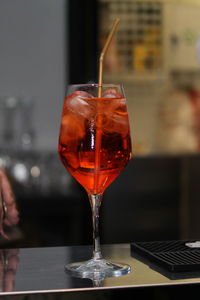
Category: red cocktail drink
[83,119]
[95,146]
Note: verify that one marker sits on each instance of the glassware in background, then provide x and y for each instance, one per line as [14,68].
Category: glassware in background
[17,130]
[26,129]
[31,171]
[9,110]
[95,146]
[38,173]
[17,136]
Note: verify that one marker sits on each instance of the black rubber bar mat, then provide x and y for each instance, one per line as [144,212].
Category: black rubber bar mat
[172,256]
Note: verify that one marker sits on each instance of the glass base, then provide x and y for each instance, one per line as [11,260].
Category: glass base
[97,269]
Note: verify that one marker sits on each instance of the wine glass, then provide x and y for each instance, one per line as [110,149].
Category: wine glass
[95,146]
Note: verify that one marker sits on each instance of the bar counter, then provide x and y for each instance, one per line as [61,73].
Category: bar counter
[41,271]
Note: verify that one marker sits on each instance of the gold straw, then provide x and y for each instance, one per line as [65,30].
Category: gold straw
[99,130]
[101,58]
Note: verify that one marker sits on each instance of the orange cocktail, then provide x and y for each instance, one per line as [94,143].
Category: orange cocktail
[95,146]
[83,118]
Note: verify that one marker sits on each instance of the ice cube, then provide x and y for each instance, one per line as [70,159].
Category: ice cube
[79,103]
[111,93]
[116,119]
[110,100]
[71,128]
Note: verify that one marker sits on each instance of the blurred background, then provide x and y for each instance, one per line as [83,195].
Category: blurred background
[155,54]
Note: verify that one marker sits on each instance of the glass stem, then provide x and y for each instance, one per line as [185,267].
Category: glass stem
[95,201]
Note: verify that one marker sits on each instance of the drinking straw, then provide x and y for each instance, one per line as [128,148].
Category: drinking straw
[101,58]
[99,129]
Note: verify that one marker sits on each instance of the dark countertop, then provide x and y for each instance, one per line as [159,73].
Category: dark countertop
[41,270]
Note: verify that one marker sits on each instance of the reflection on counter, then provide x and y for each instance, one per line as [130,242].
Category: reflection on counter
[9,213]
[9,260]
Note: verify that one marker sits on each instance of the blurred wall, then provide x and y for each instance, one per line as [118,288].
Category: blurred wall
[33,60]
